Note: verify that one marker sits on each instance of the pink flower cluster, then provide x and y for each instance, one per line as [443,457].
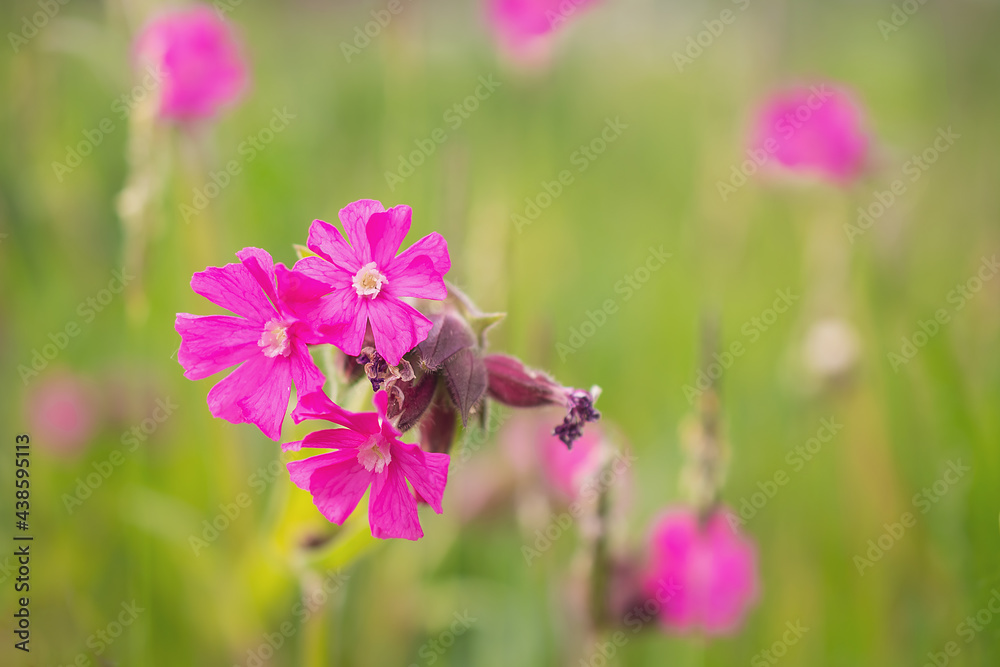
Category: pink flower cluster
[427,369]
[336,297]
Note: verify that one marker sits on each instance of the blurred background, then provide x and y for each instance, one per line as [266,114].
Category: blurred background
[130,471]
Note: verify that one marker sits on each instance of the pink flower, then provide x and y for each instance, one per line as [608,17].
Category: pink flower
[197,59]
[366,281]
[61,414]
[819,129]
[567,470]
[704,576]
[268,343]
[520,25]
[367,452]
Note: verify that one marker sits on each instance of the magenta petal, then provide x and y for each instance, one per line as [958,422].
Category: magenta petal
[234,288]
[433,246]
[418,279]
[317,405]
[326,241]
[296,288]
[337,482]
[334,438]
[392,510]
[212,343]
[305,374]
[347,328]
[256,393]
[261,267]
[397,327]
[300,471]
[354,217]
[386,231]
[426,472]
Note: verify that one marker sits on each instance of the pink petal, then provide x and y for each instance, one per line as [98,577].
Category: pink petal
[305,374]
[256,393]
[418,279]
[426,472]
[334,438]
[317,405]
[392,510]
[235,289]
[354,217]
[385,233]
[326,241]
[433,246]
[341,317]
[381,401]
[212,343]
[296,288]
[397,327]
[261,267]
[336,481]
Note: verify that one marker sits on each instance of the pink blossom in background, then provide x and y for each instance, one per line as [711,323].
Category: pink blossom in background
[520,25]
[704,576]
[567,470]
[366,280]
[61,414]
[367,453]
[198,62]
[267,342]
[818,129]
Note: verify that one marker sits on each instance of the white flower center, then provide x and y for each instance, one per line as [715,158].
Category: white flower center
[374,455]
[274,340]
[368,280]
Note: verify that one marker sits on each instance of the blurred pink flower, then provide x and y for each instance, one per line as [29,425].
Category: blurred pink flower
[567,470]
[710,572]
[366,280]
[61,414]
[199,61]
[367,452]
[268,343]
[818,129]
[519,25]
